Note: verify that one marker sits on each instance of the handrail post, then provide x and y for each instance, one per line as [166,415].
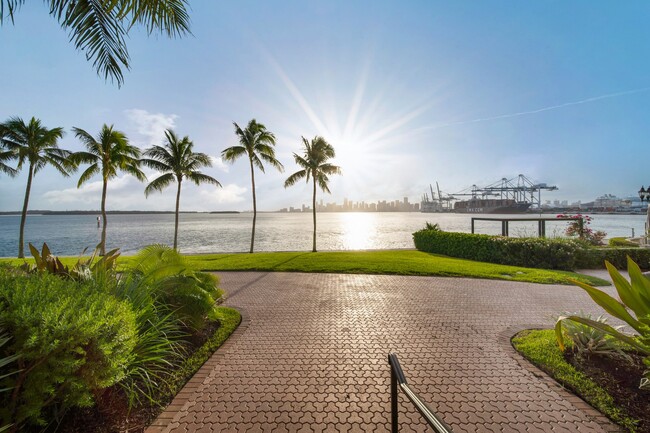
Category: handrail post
[393,398]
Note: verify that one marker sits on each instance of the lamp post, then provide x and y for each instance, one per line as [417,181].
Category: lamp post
[644,194]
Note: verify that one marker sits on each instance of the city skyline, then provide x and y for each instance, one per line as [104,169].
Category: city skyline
[408,95]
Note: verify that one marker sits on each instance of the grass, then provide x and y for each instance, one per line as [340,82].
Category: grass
[391,262]
[540,347]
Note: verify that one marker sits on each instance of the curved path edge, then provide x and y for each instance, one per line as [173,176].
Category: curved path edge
[179,402]
[505,341]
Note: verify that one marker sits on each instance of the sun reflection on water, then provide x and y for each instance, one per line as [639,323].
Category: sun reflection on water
[359,229]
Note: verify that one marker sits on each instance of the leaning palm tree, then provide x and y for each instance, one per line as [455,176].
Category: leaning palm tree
[100,28]
[107,154]
[314,164]
[257,143]
[34,144]
[176,161]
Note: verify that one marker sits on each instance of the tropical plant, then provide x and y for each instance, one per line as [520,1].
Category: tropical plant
[84,269]
[37,146]
[588,340]
[258,144]
[99,28]
[635,297]
[107,154]
[177,161]
[314,163]
[190,294]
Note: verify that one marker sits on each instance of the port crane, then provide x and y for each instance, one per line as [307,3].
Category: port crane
[520,189]
[439,203]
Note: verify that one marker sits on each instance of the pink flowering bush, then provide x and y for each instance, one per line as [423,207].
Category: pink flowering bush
[579,228]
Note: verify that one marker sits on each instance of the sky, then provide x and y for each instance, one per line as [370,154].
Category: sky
[408,93]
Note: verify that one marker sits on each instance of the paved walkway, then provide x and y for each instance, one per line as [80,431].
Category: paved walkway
[312,356]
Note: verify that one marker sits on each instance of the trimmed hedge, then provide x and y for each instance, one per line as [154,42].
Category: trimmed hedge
[594,258]
[545,253]
[622,242]
[527,252]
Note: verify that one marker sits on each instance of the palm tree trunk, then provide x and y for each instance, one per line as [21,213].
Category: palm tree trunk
[254,206]
[314,210]
[102,248]
[178,201]
[23,216]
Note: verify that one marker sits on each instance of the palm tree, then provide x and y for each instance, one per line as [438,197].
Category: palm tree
[257,143]
[36,145]
[176,160]
[107,154]
[315,165]
[99,28]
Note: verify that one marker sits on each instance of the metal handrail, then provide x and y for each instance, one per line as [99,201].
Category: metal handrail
[397,378]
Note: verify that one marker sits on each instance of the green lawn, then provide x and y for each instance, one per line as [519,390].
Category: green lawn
[540,347]
[393,262]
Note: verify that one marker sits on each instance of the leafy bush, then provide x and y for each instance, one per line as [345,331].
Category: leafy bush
[528,252]
[73,339]
[595,258]
[622,242]
[635,296]
[579,227]
[191,295]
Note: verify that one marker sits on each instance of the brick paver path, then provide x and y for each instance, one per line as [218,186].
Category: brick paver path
[314,357]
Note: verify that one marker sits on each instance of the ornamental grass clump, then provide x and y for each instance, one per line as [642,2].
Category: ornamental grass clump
[633,309]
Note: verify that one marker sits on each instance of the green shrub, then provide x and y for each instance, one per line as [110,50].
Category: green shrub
[622,242]
[191,295]
[528,252]
[73,339]
[595,258]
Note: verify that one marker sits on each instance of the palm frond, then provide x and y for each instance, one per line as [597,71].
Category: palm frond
[199,178]
[159,184]
[87,174]
[155,164]
[96,29]
[294,178]
[233,153]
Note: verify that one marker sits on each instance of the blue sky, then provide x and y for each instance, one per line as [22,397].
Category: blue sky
[409,93]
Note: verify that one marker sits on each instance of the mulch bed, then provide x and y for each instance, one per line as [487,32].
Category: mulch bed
[621,380]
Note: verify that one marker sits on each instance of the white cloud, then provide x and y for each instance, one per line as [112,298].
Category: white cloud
[219,164]
[229,194]
[122,192]
[151,125]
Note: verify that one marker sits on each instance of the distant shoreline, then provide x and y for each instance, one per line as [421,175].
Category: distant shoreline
[235,212]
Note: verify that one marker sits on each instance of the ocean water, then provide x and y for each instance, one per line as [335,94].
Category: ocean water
[208,233]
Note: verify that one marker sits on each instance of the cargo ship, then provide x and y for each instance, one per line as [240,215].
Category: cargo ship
[506,196]
[479,205]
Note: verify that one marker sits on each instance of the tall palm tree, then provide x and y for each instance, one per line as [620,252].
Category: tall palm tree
[34,144]
[257,143]
[177,161]
[107,154]
[314,165]
[99,28]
